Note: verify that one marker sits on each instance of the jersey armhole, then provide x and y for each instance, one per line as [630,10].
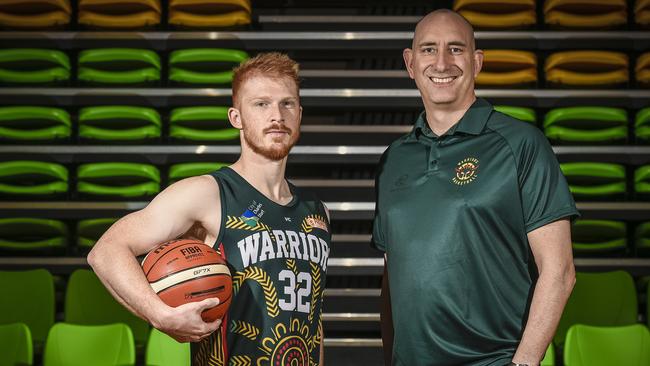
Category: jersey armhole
[222,225]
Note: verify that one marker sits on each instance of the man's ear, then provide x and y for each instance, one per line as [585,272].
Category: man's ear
[234,117]
[408,58]
[478,62]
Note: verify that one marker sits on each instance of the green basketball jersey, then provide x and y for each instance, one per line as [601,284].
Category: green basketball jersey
[277,255]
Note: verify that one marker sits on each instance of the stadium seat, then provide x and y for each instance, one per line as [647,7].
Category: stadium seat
[32,234]
[642,125]
[33,66]
[592,180]
[118,179]
[25,177]
[119,123]
[586,125]
[119,14]
[587,68]
[15,345]
[642,70]
[121,66]
[84,345]
[186,170]
[34,14]
[642,239]
[497,14]
[90,230]
[508,68]
[209,13]
[599,236]
[642,13]
[520,113]
[586,14]
[201,124]
[87,302]
[606,346]
[163,350]
[600,299]
[549,356]
[28,297]
[25,123]
[642,180]
[204,65]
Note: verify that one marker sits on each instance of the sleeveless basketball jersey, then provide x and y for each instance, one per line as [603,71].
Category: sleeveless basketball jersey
[277,256]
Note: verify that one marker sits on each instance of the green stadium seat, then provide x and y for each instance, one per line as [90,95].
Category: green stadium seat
[28,297]
[34,14]
[642,239]
[163,350]
[119,123]
[24,123]
[607,346]
[642,70]
[186,170]
[642,125]
[593,180]
[87,302]
[202,124]
[209,13]
[15,345]
[642,13]
[586,125]
[549,356]
[84,345]
[642,180]
[118,179]
[26,177]
[602,299]
[497,14]
[204,65]
[119,14]
[119,66]
[585,14]
[90,230]
[33,66]
[587,69]
[507,68]
[599,237]
[520,113]
[32,234]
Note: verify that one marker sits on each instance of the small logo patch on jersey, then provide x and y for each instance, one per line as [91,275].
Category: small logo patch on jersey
[466,171]
[314,221]
[253,214]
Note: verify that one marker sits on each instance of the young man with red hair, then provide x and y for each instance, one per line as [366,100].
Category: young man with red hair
[274,236]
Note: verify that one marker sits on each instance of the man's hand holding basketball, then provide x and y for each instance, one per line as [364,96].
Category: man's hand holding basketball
[184,323]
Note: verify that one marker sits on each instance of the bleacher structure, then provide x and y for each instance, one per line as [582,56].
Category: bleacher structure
[104,103]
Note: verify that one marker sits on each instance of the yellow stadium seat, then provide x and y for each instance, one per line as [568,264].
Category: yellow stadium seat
[119,14]
[508,68]
[642,13]
[497,14]
[587,68]
[209,13]
[594,14]
[642,69]
[25,14]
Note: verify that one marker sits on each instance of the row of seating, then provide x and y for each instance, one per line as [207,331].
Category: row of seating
[213,66]
[122,66]
[576,125]
[565,14]
[587,180]
[124,14]
[41,235]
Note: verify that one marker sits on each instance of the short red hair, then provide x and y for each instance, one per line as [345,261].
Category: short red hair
[270,64]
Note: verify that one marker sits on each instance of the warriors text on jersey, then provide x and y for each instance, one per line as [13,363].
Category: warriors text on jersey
[277,255]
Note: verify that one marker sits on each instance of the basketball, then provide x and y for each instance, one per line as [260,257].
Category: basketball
[183,271]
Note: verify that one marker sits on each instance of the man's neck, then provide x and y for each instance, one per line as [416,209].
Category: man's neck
[265,175]
[442,117]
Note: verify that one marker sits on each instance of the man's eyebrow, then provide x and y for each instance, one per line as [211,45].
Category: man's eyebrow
[452,43]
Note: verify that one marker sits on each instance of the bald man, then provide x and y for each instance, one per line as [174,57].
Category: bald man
[473,214]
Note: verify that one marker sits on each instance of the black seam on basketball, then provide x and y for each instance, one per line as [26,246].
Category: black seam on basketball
[169,251]
[202,292]
[191,279]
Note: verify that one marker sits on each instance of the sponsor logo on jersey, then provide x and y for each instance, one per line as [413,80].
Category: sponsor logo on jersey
[253,214]
[466,171]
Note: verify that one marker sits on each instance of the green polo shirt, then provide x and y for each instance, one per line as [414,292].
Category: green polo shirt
[452,215]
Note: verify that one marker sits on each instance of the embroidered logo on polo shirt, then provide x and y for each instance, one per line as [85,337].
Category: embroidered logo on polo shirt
[466,171]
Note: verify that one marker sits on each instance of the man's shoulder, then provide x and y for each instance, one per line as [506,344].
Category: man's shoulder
[517,133]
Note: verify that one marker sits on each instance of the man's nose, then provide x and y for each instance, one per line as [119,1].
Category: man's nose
[443,60]
[276,113]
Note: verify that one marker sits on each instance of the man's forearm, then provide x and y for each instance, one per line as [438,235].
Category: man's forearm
[551,293]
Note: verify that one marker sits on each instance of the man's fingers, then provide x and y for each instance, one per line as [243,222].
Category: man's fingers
[208,303]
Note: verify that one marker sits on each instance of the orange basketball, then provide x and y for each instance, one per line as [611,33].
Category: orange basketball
[183,271]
